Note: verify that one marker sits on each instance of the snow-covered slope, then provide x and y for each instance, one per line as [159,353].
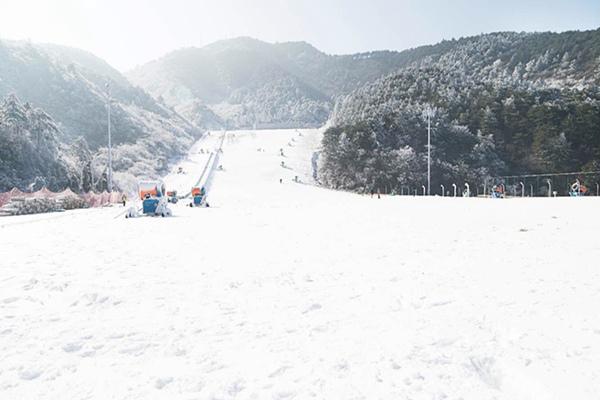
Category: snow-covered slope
[185,174]
[287,290]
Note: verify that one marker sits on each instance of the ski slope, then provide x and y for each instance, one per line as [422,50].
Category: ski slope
[291,291]
[188,172]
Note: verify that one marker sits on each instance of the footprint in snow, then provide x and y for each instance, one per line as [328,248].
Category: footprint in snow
[235,387]
[162,382]
[87,354]
[441,303]
[284,395]
[30,374]
[279,371]
[313,307]
[487,371]
[9,300]
[72,347]
[32,282]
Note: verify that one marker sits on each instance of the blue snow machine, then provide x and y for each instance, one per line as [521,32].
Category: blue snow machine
[578,190]
[198,197]
[154,200]
[172,197]
[498,191]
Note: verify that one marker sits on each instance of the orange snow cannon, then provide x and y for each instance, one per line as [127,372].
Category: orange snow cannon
[151,189]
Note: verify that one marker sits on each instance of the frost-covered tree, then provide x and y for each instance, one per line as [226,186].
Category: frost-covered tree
[481,129]
[31,155]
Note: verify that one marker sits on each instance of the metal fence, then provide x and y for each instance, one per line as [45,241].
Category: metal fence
[528,185]
[91,199]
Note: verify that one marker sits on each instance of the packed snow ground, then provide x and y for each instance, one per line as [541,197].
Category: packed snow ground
[287,290]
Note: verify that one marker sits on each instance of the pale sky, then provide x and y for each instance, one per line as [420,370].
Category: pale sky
[127,33]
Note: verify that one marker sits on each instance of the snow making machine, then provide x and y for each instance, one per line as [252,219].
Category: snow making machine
[154,200]
[578,190]
[498,191]
[172,197]
[198,197]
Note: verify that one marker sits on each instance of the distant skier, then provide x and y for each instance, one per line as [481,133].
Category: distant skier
[280,180]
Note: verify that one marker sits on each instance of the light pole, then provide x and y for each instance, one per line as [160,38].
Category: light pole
[423,187]
[531,190]
[549,182]
[468,191]
[522,189]
[454,186]
[443,190]
[109,139]
[429,113]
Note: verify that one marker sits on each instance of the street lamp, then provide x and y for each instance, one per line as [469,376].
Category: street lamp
[454,186]
[549,182]
[429,113]
[443,190]
[423,187]
[522,189]
[109,139]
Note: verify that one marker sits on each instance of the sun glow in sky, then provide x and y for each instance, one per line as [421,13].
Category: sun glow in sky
[127,33]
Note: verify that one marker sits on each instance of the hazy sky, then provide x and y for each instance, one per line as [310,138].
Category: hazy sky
[130,32]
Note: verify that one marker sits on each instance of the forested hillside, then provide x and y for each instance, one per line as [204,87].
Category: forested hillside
[505,104]
[32,155]
[69,85]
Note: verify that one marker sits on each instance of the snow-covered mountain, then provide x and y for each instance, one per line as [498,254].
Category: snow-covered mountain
[69,86]
[246,81]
